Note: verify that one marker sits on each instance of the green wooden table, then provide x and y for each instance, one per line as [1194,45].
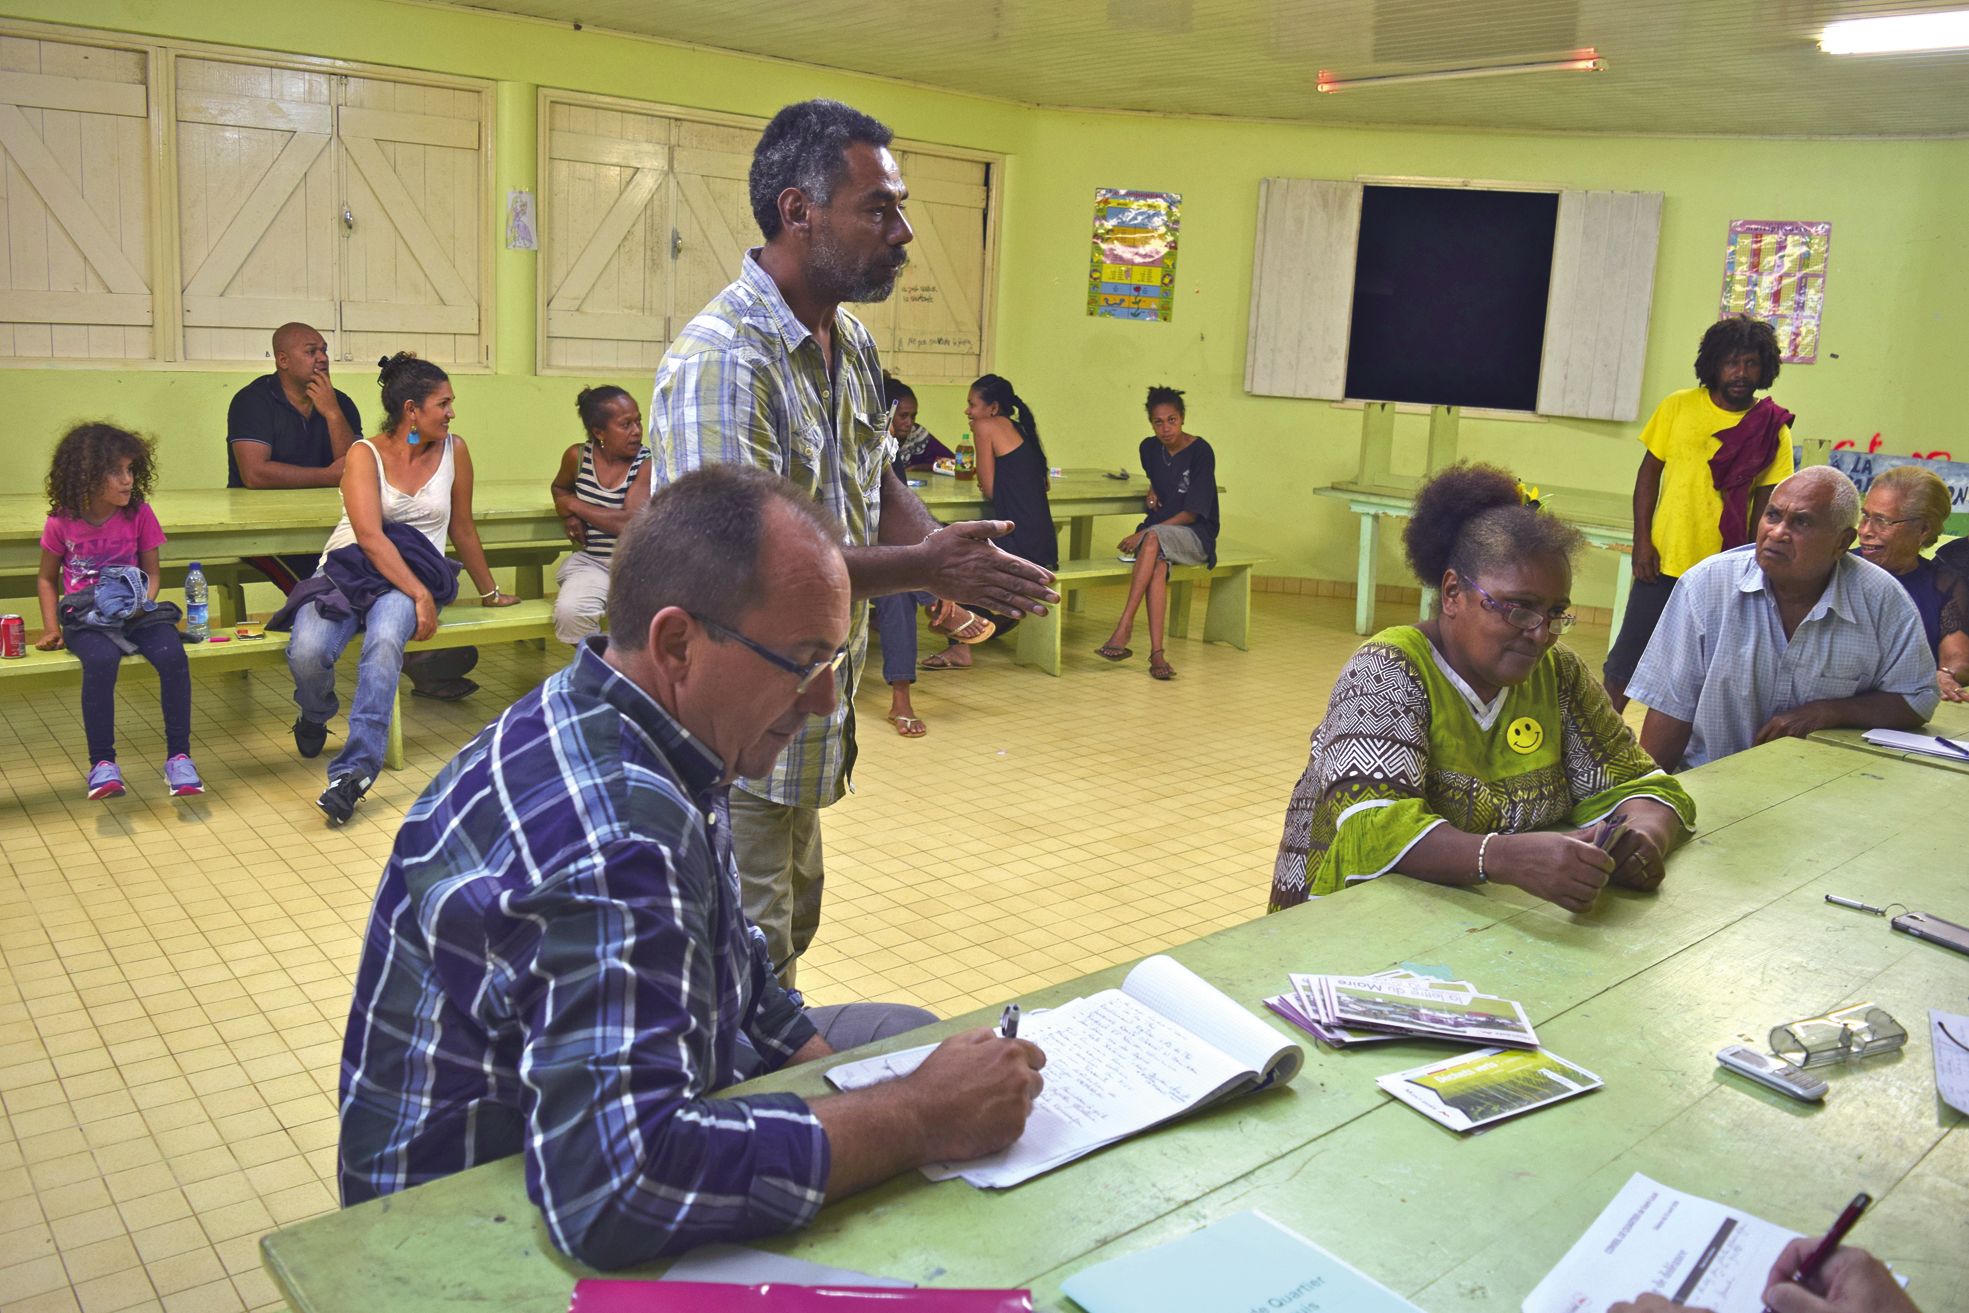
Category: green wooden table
[1951,720]
[1643,992]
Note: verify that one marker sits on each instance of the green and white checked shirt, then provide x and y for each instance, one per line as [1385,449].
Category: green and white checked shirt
[746,382]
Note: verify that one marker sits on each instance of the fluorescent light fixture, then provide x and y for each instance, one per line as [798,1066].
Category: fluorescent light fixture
[1897,33]
[1586,61]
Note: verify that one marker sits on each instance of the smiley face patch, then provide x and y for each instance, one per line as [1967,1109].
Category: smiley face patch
[1525,735]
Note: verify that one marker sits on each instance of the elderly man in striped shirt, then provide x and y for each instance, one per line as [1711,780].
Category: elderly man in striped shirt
[557,964]
[775,373]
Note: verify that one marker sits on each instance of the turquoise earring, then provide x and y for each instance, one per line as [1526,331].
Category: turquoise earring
[413,438]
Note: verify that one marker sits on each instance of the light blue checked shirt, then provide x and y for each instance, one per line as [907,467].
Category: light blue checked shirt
[558,965]
[1720,661]
[746,382]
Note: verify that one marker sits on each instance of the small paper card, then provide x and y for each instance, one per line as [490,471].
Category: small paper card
[1488,1086]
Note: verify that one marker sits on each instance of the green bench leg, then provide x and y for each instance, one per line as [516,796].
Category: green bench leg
[530,579]
[1180,595]
[1364,574]
[393,746]
[1080,547]
[1038,639]
[1227,617]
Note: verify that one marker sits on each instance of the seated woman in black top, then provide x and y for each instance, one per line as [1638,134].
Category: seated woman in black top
[1181,524]
[1012,474]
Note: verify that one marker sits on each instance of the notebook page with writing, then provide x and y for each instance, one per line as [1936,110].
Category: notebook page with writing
[1180,994]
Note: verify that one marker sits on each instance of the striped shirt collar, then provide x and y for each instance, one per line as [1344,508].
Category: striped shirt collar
[1838,596]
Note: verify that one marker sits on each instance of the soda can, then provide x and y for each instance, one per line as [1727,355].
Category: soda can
[13,636]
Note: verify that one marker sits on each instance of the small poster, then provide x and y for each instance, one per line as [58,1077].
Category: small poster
[521,235]
[1132,274]
[1774,270]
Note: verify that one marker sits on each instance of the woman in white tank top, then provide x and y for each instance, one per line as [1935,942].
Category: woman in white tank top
[413,473]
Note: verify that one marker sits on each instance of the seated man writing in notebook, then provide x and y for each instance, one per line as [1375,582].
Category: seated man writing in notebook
[1783,637]
[557,963]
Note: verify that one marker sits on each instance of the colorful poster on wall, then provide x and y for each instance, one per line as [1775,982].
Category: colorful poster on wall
[1774,270]
[1132,274]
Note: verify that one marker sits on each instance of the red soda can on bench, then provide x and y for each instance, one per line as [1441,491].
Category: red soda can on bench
[13,636]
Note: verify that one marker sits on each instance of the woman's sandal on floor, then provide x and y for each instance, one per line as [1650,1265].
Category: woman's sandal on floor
[1159,668]
[1110,652]
[910,727]
[941,661]
[972,629]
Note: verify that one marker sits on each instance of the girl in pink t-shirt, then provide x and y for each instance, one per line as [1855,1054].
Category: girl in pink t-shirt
[98,518]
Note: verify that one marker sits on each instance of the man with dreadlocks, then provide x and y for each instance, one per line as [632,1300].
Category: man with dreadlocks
[1714,452]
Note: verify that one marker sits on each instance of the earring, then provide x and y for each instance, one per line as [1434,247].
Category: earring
[412,439]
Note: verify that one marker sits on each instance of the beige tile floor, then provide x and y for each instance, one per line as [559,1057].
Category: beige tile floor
[174,974]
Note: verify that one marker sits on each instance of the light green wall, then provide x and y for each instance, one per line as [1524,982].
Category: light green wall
[1894,305]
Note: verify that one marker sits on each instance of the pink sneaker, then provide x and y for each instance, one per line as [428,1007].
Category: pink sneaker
[105,781]
[182,776]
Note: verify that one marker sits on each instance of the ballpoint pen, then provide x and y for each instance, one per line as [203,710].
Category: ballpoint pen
[1008,1021]
[1816,1259]
[1952,746]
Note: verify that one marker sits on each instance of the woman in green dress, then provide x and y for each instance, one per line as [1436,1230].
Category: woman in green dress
[1472,747]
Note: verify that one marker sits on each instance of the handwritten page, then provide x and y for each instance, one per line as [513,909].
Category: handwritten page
[1199,1007]
[1949,1034]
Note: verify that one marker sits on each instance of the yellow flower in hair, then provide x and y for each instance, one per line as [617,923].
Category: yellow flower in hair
[1528,496]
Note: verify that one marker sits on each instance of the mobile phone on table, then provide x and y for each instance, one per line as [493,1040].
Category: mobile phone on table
[1933,929]
[1774,1072]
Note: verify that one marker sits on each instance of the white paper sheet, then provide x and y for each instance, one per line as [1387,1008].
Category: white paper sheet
[1902,740]
[1948,1032]
[1652,1238]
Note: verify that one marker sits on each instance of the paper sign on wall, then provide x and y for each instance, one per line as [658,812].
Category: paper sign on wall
[1774,270]
[1132,272]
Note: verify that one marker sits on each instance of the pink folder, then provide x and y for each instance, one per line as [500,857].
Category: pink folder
[594,1296]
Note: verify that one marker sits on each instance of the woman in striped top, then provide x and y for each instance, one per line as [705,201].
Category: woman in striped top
[601,483]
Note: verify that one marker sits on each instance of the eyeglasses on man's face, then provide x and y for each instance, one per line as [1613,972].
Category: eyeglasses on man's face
[805,671]
[1523,617]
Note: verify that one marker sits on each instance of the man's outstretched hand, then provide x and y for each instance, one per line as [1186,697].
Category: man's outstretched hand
[966,566]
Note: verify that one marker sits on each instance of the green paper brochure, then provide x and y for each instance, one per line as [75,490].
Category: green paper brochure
[1247,1263]
[1489,1085]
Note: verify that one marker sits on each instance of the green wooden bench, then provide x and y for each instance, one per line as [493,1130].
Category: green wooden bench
[1226,618]
[464,624]
[226,581]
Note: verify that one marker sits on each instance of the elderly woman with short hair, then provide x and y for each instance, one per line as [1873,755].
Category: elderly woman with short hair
[1904,512]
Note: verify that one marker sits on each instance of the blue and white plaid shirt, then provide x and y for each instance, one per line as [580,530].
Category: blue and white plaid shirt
[1720,661]
[558,964]
[745,382]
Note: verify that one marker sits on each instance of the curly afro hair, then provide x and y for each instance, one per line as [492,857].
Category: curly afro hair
[1471,518]
[84,458]
[1735,336]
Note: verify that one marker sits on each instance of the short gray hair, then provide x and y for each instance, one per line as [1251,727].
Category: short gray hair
[696,546]
[806,146]
[1845,497]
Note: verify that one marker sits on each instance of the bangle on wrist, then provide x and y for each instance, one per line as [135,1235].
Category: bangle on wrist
[1482,876]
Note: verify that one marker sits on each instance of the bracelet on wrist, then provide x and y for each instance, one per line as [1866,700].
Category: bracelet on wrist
[1483,877]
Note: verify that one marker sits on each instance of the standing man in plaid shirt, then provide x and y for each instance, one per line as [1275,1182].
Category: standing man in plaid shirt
[775,373]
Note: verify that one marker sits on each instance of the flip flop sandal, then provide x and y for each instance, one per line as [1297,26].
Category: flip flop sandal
[450,690]
[975,629]
[1158,668]
[938,662]
[1109,652]
[910,727]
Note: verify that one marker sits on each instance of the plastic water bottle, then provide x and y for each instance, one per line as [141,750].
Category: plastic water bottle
[196,614]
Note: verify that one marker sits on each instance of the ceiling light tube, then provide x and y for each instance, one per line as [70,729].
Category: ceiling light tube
[1897,34]
[1586,62]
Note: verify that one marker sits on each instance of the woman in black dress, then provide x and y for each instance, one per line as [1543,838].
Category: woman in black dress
[1012,474]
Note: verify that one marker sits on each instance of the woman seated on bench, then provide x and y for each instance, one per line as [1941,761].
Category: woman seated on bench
[403,492]
[601,483]
[1473,747]
[1012,474]
[1181,524]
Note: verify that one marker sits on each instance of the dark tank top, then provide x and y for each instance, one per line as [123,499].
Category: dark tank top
[1019,494]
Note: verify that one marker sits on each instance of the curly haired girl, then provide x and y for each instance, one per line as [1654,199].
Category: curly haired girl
[99,521]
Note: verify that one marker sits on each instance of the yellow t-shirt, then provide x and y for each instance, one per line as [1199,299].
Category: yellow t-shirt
[1682,436]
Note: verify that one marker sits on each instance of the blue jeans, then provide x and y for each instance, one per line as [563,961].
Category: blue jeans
[895,621]
[311,655]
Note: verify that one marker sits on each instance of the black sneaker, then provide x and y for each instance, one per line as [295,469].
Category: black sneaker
[340,798]
[308,737]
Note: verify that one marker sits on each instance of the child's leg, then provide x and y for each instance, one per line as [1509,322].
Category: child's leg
[162,647]
[99,656]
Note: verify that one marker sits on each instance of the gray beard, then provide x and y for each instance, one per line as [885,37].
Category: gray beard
[834,280]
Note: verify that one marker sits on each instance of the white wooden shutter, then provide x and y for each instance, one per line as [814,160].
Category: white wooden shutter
[74,201]
[1302,287]
[415,188]
[715,226]
[606,225]
[257,205]
[1596,316]
[937,312]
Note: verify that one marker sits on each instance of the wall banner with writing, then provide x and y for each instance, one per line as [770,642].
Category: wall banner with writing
[1774,270]
[1132,273]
